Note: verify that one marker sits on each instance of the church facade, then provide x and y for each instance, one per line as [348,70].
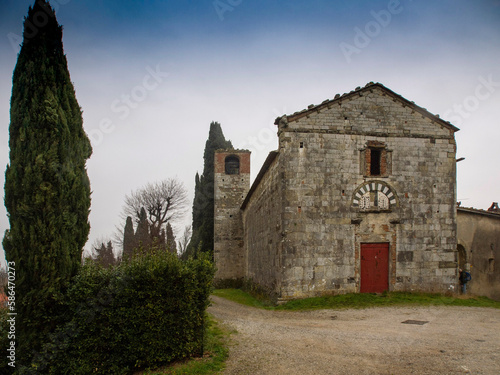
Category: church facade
[359,197]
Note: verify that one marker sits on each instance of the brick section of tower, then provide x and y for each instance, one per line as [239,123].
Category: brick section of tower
[230,191]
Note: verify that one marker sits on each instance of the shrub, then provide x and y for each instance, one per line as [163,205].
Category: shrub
[147,312]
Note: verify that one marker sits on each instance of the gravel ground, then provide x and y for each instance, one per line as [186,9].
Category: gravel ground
[456,340]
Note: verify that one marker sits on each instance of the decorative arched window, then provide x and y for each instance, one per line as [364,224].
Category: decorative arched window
[383,201]
[374,196]
[364,202]
[232,164]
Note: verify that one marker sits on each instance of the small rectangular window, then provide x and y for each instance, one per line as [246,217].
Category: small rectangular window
[232,165]
[375,162]
[301,144]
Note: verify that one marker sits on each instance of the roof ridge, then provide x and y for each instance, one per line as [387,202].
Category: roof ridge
[338,97]
[478,210]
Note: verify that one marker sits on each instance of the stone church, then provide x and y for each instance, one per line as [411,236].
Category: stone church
[359,197]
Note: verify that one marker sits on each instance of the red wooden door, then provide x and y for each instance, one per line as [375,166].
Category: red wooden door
[374,267]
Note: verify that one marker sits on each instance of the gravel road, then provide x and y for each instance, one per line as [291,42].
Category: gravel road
[455,340]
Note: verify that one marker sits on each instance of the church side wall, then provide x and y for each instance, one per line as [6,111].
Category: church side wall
[263,234]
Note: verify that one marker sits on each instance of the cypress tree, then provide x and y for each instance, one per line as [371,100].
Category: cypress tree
[105,256]
[197,203]
[170,241]
[142,238]
[47,190]
[203,204]
[128,239]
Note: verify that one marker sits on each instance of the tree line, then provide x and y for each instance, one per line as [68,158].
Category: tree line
[61,305]
[155,206]
[149,213]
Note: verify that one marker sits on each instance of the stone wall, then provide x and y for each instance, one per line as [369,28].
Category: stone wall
[321,152]
[229,192]
[262,218]
[366,168]
[479,237]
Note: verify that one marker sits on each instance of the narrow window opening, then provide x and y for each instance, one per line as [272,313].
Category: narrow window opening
[491,265]
[301,145]
[375,162]
[232,165]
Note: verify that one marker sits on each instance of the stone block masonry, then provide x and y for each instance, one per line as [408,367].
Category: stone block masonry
[366,168]
[231,185]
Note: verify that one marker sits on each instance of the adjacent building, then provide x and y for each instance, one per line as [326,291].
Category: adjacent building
[478,233]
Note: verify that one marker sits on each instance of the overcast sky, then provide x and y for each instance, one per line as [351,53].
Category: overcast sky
[151,75]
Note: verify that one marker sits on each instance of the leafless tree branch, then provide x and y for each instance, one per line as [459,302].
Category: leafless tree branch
[184,241]
[164,201]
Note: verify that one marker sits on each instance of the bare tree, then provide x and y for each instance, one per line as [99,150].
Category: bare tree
[184,241]
[164,202]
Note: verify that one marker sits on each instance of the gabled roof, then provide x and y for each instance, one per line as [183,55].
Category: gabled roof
[358,91]
[471,210]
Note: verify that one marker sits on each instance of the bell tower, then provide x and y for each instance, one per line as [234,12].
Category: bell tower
[231,185]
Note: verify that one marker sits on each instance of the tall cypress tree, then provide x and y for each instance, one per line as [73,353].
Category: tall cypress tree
[203,204]
[47,190]
[171,245]
[128,239]
[142,237]
[105,256]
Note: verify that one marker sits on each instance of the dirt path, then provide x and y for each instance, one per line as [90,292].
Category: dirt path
[456,340]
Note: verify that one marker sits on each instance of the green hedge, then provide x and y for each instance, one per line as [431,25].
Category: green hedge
[145,313]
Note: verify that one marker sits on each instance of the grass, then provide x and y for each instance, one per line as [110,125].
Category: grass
[216,353]
[216,349]
[358,300]
[244,298]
